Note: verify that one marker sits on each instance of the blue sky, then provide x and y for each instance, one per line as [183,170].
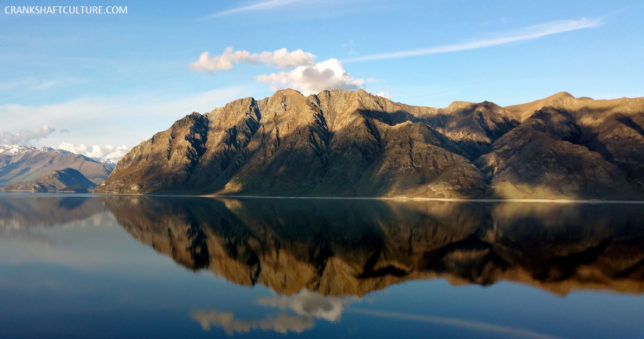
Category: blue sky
[117,79]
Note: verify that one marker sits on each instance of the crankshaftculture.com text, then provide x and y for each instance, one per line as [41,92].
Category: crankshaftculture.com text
[65,10]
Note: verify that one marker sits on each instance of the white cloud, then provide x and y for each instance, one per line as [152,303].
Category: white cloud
[101,152]
[280,58]
[30,84]
[310,79]
[116,120]
[533,32]
[306,76]
[26,136]
[257,6]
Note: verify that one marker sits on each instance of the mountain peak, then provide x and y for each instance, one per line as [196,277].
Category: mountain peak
[558,95]
[287,92]
[559,100]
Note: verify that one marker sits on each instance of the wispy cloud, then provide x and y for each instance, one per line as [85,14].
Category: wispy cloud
[257,6]
[26,136]
[93,120]
[29,84]
[530,33]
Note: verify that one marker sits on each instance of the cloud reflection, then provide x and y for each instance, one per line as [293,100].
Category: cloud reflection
[307,306]
[282,323]
[311,304]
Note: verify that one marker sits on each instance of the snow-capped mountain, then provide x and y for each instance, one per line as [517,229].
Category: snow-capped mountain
[21,163]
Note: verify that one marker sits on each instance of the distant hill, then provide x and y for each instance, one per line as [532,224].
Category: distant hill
[352,143]
[67,180]
[24,164]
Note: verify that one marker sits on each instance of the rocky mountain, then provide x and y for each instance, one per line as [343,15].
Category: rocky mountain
[67,180]
[353,247]
[352,143]
[24,164]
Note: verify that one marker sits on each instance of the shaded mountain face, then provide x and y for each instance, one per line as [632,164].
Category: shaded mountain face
[344,143]
[67,180]
[26,164]
[352,247]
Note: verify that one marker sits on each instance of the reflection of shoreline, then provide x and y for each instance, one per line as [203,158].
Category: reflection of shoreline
[352,247]
[399,199]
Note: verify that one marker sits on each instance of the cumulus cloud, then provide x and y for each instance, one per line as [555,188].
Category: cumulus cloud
[107,153]
[26,136]
[282,323]
[280,58]
[329,74]
[306,75]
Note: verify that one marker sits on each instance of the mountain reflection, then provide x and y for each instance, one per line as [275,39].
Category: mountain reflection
[24,211]
[21,214]
[352,247]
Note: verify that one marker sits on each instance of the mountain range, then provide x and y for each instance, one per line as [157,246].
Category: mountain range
[31,169]
[352,143]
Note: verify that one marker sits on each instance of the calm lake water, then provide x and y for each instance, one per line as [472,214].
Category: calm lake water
[83,266]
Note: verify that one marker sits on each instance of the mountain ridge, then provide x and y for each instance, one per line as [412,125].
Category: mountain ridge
[352,143]
[67,180]
[19,164]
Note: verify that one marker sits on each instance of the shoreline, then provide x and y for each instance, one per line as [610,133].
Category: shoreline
[285,197]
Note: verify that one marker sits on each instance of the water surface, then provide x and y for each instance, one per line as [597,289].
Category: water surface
[80,266]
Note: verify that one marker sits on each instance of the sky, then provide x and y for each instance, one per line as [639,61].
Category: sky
[100,84]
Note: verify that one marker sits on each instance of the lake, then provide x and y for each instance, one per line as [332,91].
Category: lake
[142,266]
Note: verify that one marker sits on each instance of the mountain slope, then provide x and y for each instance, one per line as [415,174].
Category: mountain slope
[67,180]
[352,143]
[336,143]
[25,164]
